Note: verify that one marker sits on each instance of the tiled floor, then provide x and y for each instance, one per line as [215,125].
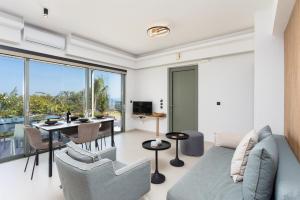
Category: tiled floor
[16,185]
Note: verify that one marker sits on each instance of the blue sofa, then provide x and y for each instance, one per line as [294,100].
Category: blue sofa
[210,178]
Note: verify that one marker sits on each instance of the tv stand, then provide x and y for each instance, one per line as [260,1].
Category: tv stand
[156,116]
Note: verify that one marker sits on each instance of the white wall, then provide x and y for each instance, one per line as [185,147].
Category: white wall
[269,75]
[230,81]
[129,94]
[152,85]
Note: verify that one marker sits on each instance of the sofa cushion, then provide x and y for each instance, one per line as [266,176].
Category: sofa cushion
[80,154]
[240,156]
[209,179]
[261,170]
[264,133]
[288,173]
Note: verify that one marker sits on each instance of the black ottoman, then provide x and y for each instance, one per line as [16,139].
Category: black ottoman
[194,145]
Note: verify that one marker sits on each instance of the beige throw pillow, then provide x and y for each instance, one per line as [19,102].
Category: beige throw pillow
[240,156]
[228,140]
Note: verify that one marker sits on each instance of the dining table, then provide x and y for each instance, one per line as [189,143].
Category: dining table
[61,125]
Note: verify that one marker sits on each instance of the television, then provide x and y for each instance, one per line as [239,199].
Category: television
[142,107]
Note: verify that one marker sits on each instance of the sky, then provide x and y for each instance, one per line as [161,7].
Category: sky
[50,78]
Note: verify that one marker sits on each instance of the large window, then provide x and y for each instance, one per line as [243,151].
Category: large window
[54,90]
[32,91]
[11,106]
[107,96]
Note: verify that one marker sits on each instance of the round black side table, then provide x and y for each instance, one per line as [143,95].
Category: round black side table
[156,177]
[177,136]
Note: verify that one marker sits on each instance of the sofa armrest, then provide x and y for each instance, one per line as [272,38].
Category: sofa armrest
[144,163]
[228,140]
[109,153]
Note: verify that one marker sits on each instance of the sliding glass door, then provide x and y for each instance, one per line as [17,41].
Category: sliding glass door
[32,91]
[54,90]
[108,96]
[11,107]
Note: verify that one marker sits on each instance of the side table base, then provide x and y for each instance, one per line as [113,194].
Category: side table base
[176,162]
[157,178]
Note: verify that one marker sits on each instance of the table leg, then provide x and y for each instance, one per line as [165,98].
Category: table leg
[157,127]
[177,162]
[112,134]
[37,160]
[50,152]
[157,177]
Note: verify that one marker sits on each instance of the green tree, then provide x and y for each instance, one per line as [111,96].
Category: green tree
[11,104]
[43,104]
[100,95]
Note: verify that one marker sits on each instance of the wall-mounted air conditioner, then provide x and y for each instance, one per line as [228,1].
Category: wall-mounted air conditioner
[43,37]
[10,28]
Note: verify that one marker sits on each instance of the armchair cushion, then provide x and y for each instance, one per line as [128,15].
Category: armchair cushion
[80,154]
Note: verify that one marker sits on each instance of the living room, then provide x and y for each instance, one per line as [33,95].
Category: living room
[149,100]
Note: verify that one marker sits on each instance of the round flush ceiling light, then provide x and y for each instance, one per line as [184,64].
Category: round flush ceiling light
[158,31]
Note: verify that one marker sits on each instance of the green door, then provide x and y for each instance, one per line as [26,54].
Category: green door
[183,98]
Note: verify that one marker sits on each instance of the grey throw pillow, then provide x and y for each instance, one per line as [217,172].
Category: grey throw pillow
[264,133]
[261,170]
[80,154]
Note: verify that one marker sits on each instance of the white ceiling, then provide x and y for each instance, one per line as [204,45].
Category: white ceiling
[123,23]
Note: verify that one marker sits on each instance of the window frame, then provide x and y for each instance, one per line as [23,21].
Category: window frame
[89,67]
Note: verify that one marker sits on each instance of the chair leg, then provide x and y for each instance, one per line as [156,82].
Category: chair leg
[82,146]
[35,160]
[13,146]
[97,144]
[59,136]
[27,161]
[101,143]
[104,140]
[52,155]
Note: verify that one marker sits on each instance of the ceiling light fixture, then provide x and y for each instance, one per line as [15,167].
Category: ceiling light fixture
[158,31]
[46,12]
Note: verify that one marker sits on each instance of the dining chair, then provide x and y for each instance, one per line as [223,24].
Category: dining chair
[87,132]
[37,144]
[105,128]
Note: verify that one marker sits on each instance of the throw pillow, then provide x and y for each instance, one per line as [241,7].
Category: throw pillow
[261,170]
[264,133]
[80,154]
[240,156]
[228,140]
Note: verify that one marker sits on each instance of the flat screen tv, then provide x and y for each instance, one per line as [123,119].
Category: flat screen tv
[142,107]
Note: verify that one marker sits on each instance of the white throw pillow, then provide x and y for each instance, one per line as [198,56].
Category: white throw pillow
[240,156]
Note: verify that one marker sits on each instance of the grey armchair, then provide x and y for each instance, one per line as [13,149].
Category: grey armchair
[106,179]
